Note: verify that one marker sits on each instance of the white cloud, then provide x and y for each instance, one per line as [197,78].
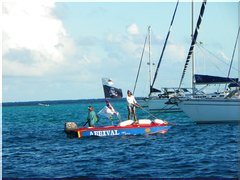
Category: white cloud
[133,29]
[30,26]
[126,45]
[175,52]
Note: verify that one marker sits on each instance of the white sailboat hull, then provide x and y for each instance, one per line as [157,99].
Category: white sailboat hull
[161,106]
[211,110]
[158,105]
[143,102]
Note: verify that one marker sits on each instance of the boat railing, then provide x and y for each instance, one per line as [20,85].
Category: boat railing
[234,94]
[171,92]
[187,93]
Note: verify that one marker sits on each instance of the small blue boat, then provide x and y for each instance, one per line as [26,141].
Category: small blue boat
[125,128]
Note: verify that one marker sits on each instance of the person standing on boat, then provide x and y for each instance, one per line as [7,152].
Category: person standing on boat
[92,117]
[132,104]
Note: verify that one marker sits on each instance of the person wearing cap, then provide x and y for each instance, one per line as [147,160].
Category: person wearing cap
[92,117]
[132,103]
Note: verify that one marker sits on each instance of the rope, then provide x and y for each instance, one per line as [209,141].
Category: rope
[164,46]
[154,116]
[148,112]
[214,55]
[234,52]
[140,65]
[194,39]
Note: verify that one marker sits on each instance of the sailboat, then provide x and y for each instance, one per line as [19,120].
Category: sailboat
[224,107]
[214,107]
[157,100]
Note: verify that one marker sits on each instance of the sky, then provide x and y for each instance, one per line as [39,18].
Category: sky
[60,50]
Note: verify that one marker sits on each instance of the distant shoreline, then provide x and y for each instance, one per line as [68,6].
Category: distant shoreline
[56,102]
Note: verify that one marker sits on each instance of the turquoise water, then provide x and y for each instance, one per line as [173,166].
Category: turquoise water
[35,146]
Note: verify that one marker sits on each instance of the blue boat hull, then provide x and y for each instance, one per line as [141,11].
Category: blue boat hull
[121,131]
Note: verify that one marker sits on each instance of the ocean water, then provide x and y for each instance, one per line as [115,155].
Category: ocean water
[34,145]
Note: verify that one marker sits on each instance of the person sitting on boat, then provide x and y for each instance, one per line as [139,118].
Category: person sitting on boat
[132,103]
[92,117]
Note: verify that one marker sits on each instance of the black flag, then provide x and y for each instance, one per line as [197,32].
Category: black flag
[109,90]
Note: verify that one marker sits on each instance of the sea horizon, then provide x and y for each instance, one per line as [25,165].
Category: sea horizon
[59,101]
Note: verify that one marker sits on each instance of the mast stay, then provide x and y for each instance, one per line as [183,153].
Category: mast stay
[165,43]
[193,40]
[140,64]
[230,67]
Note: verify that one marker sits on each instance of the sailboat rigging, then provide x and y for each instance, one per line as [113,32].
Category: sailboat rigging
[230,67]
[208,108]
[158,102]
[163,50]
[190,52]
[140,64]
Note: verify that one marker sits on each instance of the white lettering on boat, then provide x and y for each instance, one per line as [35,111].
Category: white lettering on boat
[104,133]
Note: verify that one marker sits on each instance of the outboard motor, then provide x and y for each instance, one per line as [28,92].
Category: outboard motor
[69,128]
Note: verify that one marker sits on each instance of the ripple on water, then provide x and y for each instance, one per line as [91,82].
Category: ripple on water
[35,146]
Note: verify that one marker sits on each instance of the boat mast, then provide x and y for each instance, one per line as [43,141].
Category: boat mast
[193,60]
[149,57]
[190,52]
[238,44]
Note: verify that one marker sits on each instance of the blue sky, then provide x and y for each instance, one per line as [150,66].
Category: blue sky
[61,50]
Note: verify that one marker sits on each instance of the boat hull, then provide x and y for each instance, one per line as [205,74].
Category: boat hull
[161,105]
[108,131]
[143,102]
[211,110]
